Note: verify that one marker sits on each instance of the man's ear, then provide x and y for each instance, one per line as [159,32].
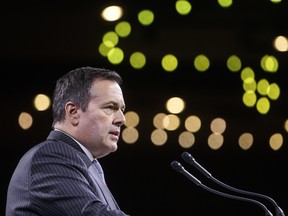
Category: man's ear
[72,112]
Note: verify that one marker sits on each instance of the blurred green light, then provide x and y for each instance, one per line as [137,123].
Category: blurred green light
[249,84]
[225,3]
[146,17]
[183,7]
[110,39]
[273,91]
[201,63]
[263,105]
[234,63]
[103,50]
[269,64]
[262,87]
[276,1]
[137,60]
[169,63]
[123,29]
[247,73]
[249,98]
[115,55]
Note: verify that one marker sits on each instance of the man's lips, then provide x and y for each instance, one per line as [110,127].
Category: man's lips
[115,133]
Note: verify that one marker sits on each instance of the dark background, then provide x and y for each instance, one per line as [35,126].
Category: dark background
[40,41]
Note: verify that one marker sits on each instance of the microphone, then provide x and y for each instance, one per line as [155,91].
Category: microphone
[189,159]
[180,169]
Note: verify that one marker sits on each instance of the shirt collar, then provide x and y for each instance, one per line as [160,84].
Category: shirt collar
[87,152]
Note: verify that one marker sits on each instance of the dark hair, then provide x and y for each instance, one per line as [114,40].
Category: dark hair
[75,87]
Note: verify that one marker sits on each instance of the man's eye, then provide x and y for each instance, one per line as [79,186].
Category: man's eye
[110,109]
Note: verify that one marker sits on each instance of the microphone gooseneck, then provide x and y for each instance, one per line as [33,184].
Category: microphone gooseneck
[189,159]
[180,169]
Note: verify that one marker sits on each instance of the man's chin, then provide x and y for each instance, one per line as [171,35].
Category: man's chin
[109,149]
[113,147]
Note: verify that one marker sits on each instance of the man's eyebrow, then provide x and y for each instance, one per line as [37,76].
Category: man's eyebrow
[114,103]
[119,105]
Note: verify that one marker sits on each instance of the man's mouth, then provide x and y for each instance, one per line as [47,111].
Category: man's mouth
[115,133]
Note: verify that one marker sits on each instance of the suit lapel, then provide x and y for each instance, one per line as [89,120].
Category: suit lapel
[103,188]
[105,195]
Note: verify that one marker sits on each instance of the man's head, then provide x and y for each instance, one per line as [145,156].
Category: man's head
[88,104]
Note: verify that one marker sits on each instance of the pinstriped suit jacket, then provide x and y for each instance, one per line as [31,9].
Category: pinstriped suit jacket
[55,178]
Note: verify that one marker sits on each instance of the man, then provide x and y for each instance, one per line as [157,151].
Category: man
[57,177]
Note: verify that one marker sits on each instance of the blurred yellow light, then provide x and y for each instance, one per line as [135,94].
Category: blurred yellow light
[112,13]
[281,44]
[175,105]
[132,119]
[193,123]
[286,125]
[276,141]
[218,125]
[158,120]
[245,141]
[171,122]
[159,137]
[130,135]
[42,102]
[25,120]
[215,141]
[186,139]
